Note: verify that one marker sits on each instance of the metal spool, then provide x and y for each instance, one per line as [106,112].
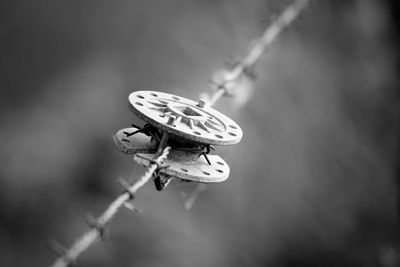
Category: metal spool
[185,118]
[196,171]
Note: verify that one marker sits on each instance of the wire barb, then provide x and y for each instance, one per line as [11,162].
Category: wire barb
[59,250]
[226,87]
[160,165]
[127,188]
[204,154]
[130,206]
[93,223]
[56,247]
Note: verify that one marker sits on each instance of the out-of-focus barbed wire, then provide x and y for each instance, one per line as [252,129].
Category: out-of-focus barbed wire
[231,82]
[226,81]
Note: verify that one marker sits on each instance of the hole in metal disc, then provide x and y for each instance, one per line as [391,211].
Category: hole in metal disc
[219,136]
[140,96]
[139,104]
[184,170]
[232,134]
[195,132]
[153,94]
[220,163]
[176,98]
[232,126]
[220,171]
[188,111]
[206,173]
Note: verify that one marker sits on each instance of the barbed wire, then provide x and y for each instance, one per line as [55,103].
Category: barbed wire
[229,80]
[224,87]
[228,83]
[97,227]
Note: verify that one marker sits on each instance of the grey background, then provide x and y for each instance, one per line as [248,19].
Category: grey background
[313,182]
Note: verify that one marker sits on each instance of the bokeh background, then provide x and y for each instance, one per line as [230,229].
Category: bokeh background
[314,181]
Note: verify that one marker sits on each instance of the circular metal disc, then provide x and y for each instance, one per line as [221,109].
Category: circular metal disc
[136,143]
[186,118]
[199,171]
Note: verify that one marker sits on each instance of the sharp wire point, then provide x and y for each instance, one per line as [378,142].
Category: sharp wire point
[127,188]
[135,126]
[194,195]
[56,247]
[135,132]
[130,206]
[160,165]
[93,223]
[90,220]
[205,156]
[60,251]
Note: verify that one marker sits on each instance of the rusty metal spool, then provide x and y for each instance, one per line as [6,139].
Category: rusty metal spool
[185,118]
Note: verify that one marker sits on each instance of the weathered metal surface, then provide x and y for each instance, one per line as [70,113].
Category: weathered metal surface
[185,118]
[132,144]
[196,171]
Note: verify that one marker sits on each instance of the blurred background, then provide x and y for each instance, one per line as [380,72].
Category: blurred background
[314,181]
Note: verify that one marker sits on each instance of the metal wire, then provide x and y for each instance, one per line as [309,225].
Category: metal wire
[270,34]
[227,85]
[98,226]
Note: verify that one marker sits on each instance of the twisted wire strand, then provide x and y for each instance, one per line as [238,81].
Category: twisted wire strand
[231,77]
[271,33]
[96,231]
